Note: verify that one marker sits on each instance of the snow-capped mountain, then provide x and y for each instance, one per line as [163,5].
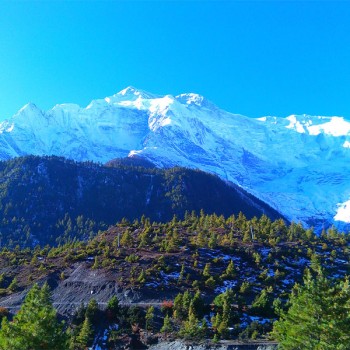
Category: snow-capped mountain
[299,164]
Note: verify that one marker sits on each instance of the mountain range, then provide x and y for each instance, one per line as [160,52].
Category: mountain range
[298,164]
[52,200]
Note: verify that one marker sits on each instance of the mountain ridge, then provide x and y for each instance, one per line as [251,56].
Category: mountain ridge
[297,164]
[54,200]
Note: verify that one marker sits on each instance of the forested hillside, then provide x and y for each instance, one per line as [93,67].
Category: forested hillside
[53,200]
[203,277]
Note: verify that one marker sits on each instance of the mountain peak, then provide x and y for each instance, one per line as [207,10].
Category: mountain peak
[298,164]
[30,109]
[133,92]
[130,90]
[194,99]
[30,106]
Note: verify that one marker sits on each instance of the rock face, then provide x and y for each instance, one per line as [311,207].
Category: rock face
[298,164]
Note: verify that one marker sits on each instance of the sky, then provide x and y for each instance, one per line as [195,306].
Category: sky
[253,58]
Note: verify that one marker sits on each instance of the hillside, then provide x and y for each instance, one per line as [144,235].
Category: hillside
[254,262]
[54,200]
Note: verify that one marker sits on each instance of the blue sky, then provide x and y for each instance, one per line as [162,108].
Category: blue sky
[254,58]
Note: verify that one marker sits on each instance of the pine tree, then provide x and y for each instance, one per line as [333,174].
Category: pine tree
[126,239]
[230,271]
[262,305]
[113,308]
[13,285]
[213,240]
[142,277]
[85,335]
[92,311]
[206,270]
[167,326]
[318,316]
[96,264]
[149,318]
[190,329]
[181,275]
[35,326]
[197,304]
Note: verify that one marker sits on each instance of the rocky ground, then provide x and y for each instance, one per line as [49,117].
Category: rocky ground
[228,345]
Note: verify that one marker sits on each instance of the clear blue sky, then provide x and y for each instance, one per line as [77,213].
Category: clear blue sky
[254,58]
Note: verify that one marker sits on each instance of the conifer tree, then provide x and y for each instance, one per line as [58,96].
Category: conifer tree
[197,304]
[190,329]
[85,335]
[126,239]
[318,316]
[113,308]
[149,318]
[142,277]
[230,271]
[167,326]
[206,270]
[35,326]
[13,285]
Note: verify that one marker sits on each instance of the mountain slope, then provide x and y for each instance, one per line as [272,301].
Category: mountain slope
[298,164]
[51,200]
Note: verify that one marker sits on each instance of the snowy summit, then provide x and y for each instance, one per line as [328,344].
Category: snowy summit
[297,164]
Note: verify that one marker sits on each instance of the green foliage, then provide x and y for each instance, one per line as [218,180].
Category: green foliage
[92,311]
[4,312]
[113,305]
[182,304]
[230,272]
[198,305]
[84,337]
[136,316]
[273,247]
[206,270]
[2,280]
[78,199]
[191,328]
[35,326]
[132,258]
[210,282]
[167,326]
[142,277]
[149,318]
[225,314]
[126,239]
[13,285]
[318,316]
[96,264]
[262,305]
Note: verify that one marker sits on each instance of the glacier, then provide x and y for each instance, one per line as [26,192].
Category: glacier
[298,164]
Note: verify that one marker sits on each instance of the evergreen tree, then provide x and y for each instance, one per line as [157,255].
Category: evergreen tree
[197,304]
[318,316]
[167,326]
[113,308]
[190,329]
[262,305]
[35,327]
[230,271]
[92,311]
[85,335]
[13,285]
[149,318]
[126,239]
[142,277]
[206,270]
